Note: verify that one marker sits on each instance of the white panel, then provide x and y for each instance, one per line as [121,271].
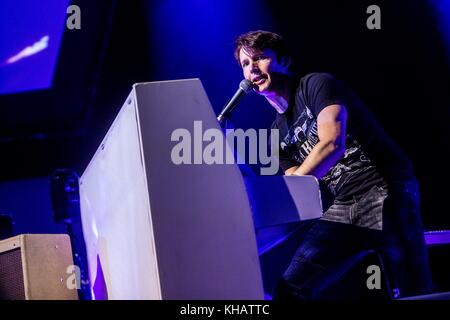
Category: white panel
[284,199]
[116,213]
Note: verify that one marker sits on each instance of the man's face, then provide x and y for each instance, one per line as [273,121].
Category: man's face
[262,68]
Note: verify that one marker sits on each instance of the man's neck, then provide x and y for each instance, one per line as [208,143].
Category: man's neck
[280,98]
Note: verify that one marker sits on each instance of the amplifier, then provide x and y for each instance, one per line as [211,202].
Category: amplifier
[35,267]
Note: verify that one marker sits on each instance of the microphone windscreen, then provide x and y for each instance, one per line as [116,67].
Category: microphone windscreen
[246,85]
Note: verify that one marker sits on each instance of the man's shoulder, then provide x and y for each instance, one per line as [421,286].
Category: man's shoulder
[310,83]
[314,78]
[314,81]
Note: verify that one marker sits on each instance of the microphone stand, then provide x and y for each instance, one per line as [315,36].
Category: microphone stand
[228,123]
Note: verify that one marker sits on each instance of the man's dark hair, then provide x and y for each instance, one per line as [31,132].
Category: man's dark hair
[259,40]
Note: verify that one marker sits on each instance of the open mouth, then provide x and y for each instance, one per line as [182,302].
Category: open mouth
[259,80]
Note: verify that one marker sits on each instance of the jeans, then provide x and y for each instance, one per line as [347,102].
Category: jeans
[386,219]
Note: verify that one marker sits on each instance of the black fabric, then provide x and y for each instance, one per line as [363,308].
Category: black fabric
[371,158]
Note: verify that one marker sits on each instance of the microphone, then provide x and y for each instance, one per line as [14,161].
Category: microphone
[244,87]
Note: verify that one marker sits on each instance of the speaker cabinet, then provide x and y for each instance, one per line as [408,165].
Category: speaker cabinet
[35,267]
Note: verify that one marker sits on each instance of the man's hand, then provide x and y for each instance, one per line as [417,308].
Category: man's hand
[331,127]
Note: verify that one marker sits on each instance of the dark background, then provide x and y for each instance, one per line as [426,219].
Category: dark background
[400,71]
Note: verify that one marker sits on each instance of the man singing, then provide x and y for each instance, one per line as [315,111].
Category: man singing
[327,132]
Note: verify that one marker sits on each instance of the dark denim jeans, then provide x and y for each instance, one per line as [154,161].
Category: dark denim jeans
[386,219]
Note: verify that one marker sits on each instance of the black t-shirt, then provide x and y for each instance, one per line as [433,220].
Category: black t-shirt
[371,157]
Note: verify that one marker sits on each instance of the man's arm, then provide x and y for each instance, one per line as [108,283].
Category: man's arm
[331,127]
